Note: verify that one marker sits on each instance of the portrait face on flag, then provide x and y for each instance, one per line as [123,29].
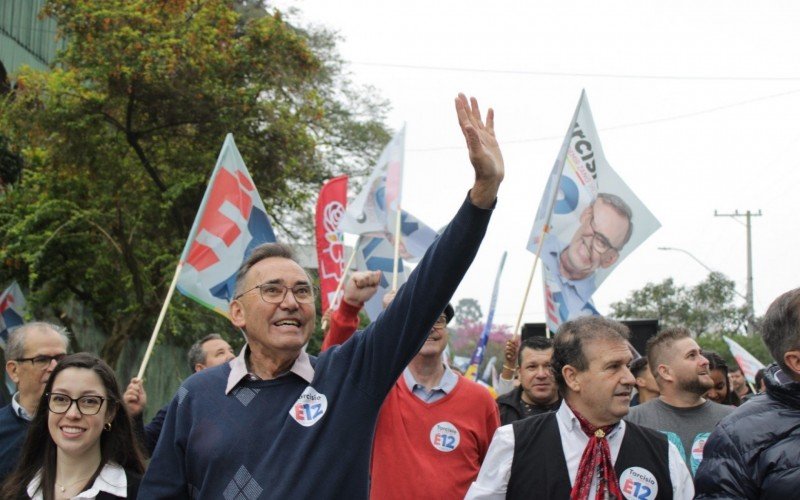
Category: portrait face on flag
[593,218]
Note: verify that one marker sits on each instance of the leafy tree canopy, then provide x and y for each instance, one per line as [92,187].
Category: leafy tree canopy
[118,141]
[707,309]
[468,311]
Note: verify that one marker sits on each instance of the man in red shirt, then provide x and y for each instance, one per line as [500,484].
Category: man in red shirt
[435,426]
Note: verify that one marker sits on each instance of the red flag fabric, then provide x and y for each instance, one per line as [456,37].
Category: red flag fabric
[330,241]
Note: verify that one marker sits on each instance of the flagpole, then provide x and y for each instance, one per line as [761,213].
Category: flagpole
[396,248]
[528,287]
[160,320]
[341,284]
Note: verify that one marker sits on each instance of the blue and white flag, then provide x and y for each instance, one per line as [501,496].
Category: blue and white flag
[477,356]
[588,221]
[374,209]
[12,311]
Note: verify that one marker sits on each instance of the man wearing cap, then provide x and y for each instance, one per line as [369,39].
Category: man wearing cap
[435,426]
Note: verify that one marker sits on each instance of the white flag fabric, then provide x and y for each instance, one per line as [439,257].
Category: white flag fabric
[374,209]
[231,222]
[593,222]
[746,361]
[375,253]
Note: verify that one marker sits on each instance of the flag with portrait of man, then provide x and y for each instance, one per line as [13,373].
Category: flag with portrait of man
[588,221]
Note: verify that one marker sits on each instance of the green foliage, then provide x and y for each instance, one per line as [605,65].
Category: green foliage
[707,309]
[468,311]
[119,139]
[753,344]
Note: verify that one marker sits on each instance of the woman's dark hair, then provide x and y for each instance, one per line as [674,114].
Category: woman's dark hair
[716,362]
[39,451]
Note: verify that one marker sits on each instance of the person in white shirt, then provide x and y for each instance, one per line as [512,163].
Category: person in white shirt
[80,444]
[584,448]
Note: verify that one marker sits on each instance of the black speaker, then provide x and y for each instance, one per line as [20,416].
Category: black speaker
[641,331]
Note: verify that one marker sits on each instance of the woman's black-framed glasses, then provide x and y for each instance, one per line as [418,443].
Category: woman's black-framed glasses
[87,405]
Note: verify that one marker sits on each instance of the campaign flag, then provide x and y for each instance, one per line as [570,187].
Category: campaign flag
[587,222]
[477,356]
[12,309]
[375,253]
[330,241]
[231,222]
[374,209]
[746,361]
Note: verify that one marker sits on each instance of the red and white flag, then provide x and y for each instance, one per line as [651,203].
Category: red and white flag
[746,361]
[330,241]
[231,222]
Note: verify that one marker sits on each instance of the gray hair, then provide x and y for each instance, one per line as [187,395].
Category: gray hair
[622,208]
[15,346]
[780,329]
[196,354]
[568,346]
[260,253]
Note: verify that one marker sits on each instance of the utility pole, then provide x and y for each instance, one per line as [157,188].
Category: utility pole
[751,315]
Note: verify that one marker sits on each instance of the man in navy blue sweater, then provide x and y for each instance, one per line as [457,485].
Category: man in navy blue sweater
[277,423]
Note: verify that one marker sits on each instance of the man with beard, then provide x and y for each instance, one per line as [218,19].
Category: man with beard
[537,392]
[681,411]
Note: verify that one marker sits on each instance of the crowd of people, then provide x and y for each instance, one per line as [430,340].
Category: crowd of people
[380,413]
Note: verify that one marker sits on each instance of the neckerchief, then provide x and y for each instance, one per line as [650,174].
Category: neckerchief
[596,457]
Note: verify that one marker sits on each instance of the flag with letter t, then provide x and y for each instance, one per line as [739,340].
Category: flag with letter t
[231,222]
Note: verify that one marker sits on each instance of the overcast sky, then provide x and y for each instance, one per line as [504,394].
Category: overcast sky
[696,105]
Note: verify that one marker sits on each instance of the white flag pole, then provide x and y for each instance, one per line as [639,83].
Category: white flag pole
[397,237]
[160,320]
[340,285]
[528,287]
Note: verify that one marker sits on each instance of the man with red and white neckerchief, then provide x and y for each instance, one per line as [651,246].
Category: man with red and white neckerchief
[585,450]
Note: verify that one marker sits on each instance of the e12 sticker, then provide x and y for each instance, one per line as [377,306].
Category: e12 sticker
[309,407]
[445,437]
[637,483]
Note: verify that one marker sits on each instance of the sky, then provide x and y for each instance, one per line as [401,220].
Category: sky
[695,104]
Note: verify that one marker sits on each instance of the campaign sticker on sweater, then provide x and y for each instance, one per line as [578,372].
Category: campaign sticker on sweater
[445,437]
[309,407]
[638,483]
[697,450]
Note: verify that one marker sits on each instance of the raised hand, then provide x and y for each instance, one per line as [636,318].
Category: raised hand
[361,286]
[484,152]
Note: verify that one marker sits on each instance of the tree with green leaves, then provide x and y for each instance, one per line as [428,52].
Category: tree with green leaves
[119,138]
[468,312]
[707,309]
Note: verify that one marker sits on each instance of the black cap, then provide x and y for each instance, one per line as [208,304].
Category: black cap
[449,312]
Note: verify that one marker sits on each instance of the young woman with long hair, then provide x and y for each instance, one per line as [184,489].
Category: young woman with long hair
[721,392]
[80,440]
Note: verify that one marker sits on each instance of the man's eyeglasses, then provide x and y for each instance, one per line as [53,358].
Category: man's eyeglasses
[441,323]
[274,293]
[87,405]
[600,243]
[42,361]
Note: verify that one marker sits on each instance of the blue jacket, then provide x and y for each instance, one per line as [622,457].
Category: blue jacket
[291,437]
[12,434]
[755,451]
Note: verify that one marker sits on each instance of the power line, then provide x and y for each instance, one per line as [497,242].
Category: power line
[630,125]
[580,75]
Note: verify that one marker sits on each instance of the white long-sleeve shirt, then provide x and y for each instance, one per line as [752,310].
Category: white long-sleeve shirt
[492,481]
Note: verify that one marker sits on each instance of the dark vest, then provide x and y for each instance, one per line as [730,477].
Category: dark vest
[539,469]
